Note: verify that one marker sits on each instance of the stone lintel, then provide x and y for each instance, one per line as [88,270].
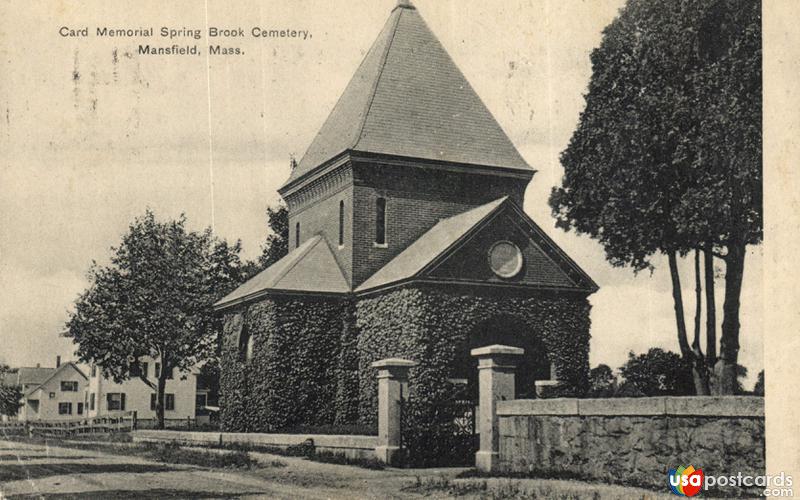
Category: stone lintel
[393,363]
[497,350]
[676,406]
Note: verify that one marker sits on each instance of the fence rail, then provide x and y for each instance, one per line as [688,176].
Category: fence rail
[117,423]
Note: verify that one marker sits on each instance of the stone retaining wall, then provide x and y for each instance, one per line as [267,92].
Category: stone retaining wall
[349,446]
[632,440]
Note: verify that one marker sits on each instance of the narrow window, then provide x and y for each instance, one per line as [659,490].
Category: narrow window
[144,368]
[80,409]
[94,371]
[169,402]
[245,344]
[380,221]
[158,370]
[91,402]
[297,235]
[153,401]
[341,223]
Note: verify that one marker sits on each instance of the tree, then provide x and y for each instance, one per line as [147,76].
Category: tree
[658,373]
[758,390]
[10,395]
[154,300]
[666,155]
[276,245]
[602,382]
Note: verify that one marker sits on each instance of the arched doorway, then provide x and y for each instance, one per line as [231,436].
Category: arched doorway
[505,329]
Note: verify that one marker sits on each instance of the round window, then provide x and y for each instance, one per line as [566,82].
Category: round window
[505,259]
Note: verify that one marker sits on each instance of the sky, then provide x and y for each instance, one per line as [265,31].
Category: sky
[93,133]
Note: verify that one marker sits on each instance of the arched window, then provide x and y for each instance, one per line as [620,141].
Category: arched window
[245,344]
[297,235]
[341,223]
[380,221]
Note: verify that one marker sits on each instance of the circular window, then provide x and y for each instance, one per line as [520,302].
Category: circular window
[505,259]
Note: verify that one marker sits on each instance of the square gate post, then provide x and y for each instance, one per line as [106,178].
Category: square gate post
[392,385]
[496,364]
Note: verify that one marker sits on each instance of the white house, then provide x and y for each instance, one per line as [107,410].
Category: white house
[51,393]
[106,397]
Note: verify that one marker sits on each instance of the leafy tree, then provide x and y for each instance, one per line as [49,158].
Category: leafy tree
[658,373]
[666,155]
[155,300]
[10,395]
[602,382]
[276,244]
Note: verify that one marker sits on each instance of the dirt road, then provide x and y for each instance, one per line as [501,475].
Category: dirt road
[49,472]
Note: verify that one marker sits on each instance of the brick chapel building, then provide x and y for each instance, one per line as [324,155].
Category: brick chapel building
[407,239]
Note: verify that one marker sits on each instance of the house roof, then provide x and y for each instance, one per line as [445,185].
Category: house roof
[448,233]
[408,98]
[54,372]
[311,267]
[33,375]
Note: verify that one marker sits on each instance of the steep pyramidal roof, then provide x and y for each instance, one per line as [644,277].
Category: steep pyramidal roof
[408,98]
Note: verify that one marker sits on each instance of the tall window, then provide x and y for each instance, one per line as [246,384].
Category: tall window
[380,221]
[91,401]
[341,223]
[169,402]
[297,235]
[245,344]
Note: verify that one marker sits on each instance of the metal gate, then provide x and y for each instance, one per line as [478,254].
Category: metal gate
[440,432]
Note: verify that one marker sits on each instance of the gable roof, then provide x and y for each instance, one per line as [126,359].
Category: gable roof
[33,375]
[448,234]
[54,373]
[311,267]
[408,98]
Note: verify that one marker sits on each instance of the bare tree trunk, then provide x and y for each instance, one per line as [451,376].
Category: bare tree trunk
[162,383]
[677,298]
[725,368]
[711,308]
[699,368]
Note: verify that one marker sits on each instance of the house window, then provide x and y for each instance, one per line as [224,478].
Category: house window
[69,386]
[116,401]
[94,371]
[380,221]
[143,369]
[65,408]
[341,223]
[153,401]
[52,395]
[201,400]
[245,344]
[170,373]
[158,370]
[80,409]
[91,401]
[169,402]
[297,235]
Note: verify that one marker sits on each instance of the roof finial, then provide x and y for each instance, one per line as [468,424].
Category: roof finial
[405,4]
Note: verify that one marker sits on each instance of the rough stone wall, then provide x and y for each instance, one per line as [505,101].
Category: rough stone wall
[429,325]
[291,378]
[607,441]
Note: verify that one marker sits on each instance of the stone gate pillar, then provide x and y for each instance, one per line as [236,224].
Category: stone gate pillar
[496,364]
[392,386]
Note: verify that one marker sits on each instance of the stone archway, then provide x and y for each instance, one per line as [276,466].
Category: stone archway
[505,329]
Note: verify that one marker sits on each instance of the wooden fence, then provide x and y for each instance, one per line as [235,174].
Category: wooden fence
[124,422]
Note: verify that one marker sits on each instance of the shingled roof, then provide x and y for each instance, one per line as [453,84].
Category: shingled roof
[413,262]
[409,99]
[311,267]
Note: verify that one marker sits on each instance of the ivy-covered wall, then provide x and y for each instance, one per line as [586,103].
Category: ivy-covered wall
[311,357]
[293,375]
[431,325]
